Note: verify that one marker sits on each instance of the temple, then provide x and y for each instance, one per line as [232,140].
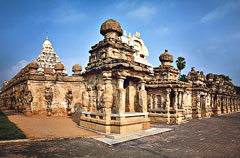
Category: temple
[118,92]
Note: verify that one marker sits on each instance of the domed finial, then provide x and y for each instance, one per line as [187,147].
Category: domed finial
[166,58]
[47,36]
[111,29]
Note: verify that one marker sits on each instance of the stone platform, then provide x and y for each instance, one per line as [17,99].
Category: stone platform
[112,139]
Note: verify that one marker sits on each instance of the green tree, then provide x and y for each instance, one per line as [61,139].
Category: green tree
[183,78]
[181,63]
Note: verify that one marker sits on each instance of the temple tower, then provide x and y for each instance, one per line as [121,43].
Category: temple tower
[47,58]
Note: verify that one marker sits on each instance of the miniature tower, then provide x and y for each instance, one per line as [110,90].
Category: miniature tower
[114,99]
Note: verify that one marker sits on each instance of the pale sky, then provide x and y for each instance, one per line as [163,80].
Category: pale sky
[205,32]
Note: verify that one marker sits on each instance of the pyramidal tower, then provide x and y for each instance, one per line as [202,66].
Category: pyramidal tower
[47,58]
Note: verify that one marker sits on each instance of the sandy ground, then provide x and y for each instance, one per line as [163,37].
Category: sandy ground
[48,126]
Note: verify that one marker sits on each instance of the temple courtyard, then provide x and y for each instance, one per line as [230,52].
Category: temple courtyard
[208,137]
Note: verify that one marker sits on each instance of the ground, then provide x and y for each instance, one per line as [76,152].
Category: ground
[47,126]
[209,137]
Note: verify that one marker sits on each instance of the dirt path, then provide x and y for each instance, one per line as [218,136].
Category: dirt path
[47,126]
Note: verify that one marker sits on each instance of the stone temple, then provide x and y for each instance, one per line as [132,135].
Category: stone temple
[118,92]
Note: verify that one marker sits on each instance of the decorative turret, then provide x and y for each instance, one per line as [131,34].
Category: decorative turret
[111,29]
[77,68]
[166,71]
[166,58]
[59,67]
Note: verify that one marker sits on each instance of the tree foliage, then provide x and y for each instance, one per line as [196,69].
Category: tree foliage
[225,78]
[183,78]
[181,63]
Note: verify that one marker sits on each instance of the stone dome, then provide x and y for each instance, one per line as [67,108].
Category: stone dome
[111,26]
[77,67]
[59,66]
[166,57]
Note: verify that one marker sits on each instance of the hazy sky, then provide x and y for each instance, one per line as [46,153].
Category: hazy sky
[205,32]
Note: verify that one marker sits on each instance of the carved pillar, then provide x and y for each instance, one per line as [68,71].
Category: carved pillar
[155,102]
[90,93]
[121,95]
[107,96]
[168,90]
[219,104]
[99,94]
[175,106]
[198,101]
[212,101]
[180,100]
[143,97]
[229,104]
[85,99]
[150,101]
[234,104]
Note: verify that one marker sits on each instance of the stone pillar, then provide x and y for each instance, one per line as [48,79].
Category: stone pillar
[198,106]
[218,104]
[212,101]
[107,98]
[120,82]
[168,90]
[130,96]
[150,101]
[121,95]
[180,99]
[175,106]
[155,102]
[225,104]
[234,104]
[198,101]
[143,97]
[90,93]
[229,104]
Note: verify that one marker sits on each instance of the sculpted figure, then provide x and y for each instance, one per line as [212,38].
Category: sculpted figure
[28,99]
[85,98]
[69,99]
[107,98]
[49,98]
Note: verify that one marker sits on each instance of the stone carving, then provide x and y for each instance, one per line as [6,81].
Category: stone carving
[49,98]
[69,99]
[85,98]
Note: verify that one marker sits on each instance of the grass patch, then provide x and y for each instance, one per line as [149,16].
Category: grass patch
[9,130]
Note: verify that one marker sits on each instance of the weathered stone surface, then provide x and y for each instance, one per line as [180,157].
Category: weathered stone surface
[111,26]
[59,66]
